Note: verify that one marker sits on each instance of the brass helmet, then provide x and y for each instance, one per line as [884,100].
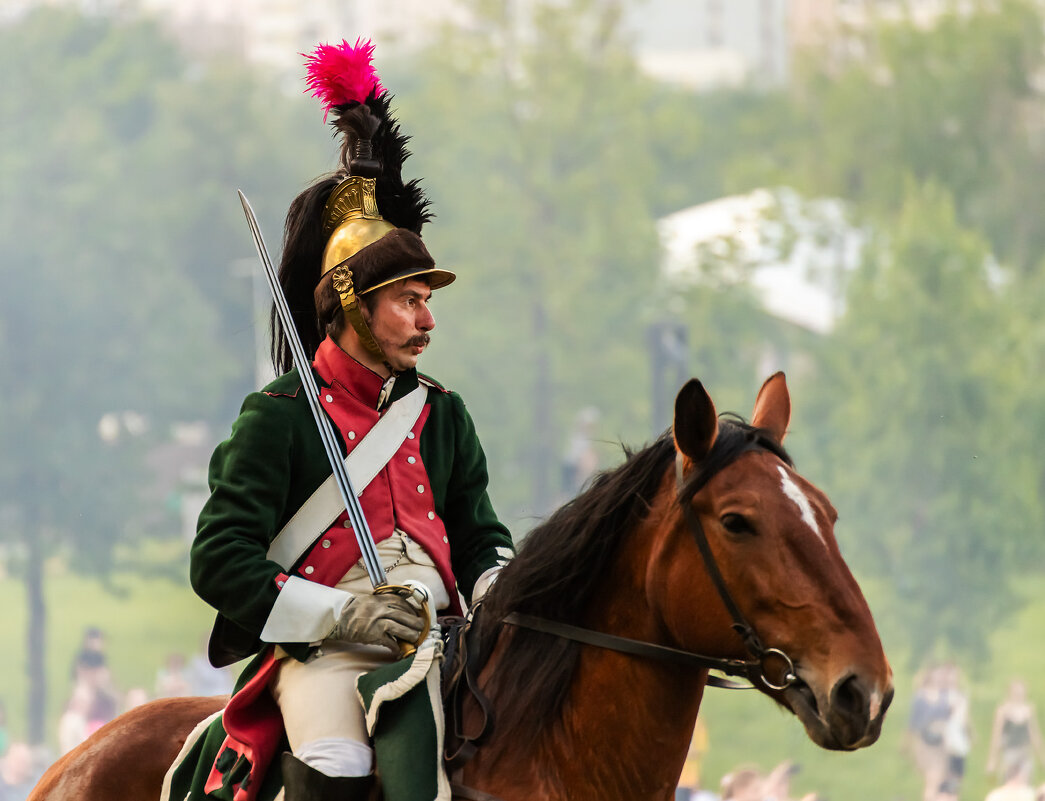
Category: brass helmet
[364,251]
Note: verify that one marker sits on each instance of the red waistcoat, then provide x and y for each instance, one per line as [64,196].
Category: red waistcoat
[400,495]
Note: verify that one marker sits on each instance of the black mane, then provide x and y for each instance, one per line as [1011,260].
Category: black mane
[560,562]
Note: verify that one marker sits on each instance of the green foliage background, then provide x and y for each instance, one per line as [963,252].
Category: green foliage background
[549,158]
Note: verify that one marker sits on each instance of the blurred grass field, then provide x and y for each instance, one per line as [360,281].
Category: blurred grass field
[150,618]
[144,620]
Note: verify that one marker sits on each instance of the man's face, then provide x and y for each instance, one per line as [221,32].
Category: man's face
[401,321]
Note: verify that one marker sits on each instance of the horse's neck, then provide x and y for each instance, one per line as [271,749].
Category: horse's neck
[625,726]
[634,718]
[636,713]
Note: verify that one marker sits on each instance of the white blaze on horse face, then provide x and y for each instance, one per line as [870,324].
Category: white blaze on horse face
[794,492]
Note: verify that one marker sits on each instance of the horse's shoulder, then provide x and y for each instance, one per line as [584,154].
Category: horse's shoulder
[174,714]
[148,736]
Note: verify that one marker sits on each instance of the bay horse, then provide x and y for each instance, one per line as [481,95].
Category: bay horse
[707,543]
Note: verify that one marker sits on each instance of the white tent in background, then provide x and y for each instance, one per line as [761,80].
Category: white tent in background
[793,253]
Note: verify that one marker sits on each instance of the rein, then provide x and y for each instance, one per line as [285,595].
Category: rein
[754,669]
[649,650]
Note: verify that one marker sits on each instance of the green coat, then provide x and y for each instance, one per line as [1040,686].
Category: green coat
[274,460]
[259,477]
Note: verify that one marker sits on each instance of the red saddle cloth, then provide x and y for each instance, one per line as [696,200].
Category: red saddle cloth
[254,729]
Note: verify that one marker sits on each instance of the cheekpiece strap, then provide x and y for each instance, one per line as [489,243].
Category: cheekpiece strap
[345,288]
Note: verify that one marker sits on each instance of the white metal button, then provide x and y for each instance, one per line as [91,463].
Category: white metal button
[347,524]
[330,398]
[280,584]
[410,435]
[309,570]
[326,543]
[351,434]
[446,540]
[410,459]
[420,487]
[431,515]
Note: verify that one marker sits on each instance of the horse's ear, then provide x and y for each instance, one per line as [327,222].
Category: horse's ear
[773,407]
[696,424]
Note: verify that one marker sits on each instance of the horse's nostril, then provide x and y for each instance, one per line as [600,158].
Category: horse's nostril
[851,701]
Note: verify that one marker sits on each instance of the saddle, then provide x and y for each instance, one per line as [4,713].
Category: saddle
[214,763]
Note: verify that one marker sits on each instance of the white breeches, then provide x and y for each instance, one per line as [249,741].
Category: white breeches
[321,711]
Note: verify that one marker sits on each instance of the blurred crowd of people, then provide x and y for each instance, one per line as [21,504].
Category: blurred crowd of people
[744,783]
[748,783]
[939,738]
[94,700]
[18,764]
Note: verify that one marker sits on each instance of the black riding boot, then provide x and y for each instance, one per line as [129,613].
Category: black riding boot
[304,783]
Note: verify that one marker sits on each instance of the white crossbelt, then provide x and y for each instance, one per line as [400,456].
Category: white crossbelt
[365,461]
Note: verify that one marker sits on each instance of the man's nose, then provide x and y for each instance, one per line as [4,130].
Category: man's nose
[425,320]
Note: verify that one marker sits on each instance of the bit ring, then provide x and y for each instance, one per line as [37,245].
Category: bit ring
[790,677]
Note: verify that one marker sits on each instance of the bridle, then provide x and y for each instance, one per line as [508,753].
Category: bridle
[754,669]
[752,642]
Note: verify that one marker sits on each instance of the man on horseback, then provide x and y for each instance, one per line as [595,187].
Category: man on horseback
[287,582]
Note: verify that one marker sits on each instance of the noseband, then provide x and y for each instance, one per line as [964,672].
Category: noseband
[754,669]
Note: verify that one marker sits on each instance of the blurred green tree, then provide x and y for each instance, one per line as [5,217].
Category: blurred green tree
[914,431]
[931,134]
[118,224]
[955,103]
[540,141]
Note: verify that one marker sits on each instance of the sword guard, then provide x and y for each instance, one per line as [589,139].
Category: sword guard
[419,593]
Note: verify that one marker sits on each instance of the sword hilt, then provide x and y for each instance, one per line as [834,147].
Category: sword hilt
[420,594]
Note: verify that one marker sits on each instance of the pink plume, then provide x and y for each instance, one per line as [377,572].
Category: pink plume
[339,74]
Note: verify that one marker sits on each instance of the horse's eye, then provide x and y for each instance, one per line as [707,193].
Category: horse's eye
[736,524]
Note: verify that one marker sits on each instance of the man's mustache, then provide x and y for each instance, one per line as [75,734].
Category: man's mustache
[420,341]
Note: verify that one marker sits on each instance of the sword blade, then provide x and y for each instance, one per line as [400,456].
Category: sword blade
[360,528]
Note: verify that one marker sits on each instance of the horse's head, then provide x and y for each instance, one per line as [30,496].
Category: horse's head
[770,533]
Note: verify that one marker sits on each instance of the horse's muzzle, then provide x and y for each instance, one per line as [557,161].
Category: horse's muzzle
[849,717]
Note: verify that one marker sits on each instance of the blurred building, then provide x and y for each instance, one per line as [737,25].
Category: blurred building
[706,44]
[794,253]
[790,254]
[700,44]
[840,24]
[273,32]
[697,43]
[276,32]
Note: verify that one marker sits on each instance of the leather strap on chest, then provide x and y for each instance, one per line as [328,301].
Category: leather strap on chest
[365,461]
